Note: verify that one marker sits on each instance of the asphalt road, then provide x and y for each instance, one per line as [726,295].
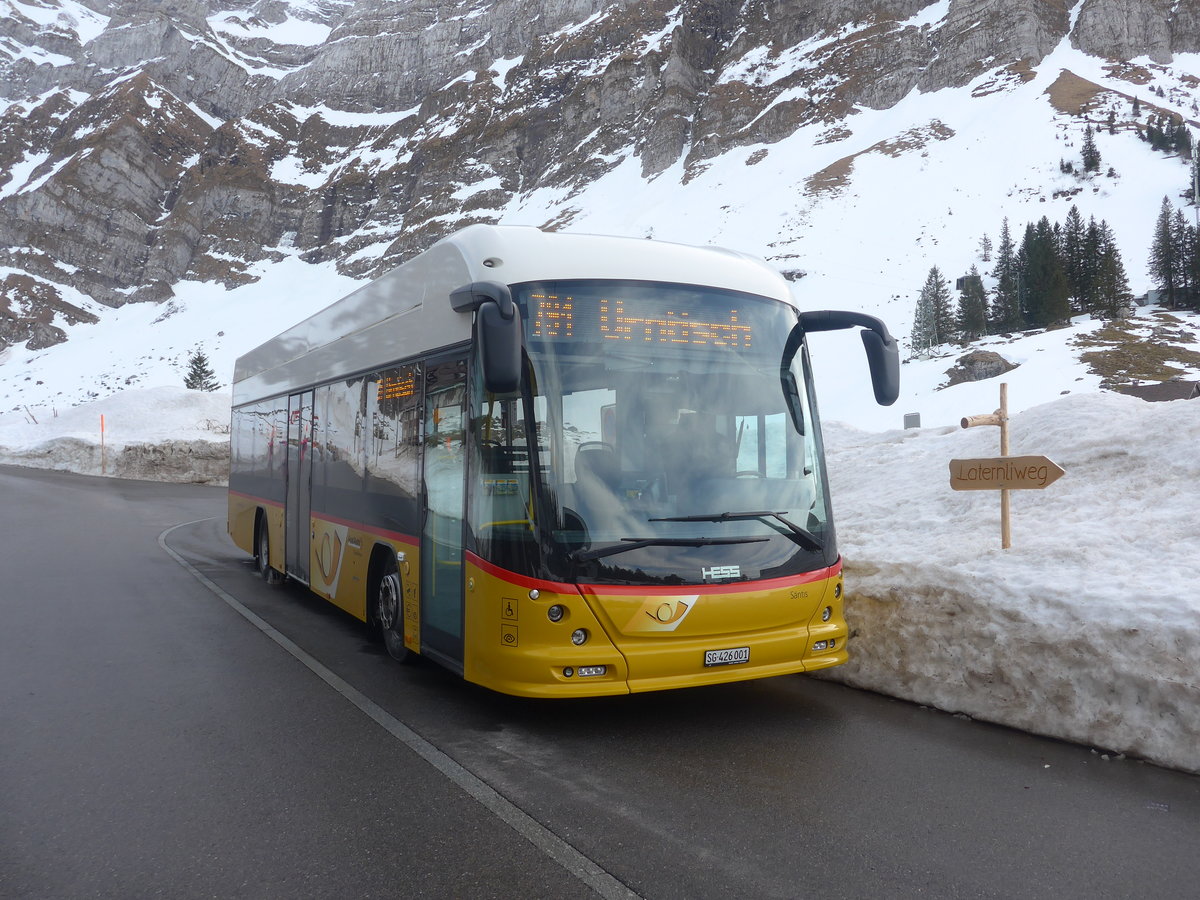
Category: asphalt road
[164,736]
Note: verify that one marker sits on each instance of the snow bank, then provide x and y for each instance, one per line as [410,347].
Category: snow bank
[1087,628]
[162,434]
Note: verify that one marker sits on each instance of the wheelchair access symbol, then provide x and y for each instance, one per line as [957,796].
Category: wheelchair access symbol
[508,622]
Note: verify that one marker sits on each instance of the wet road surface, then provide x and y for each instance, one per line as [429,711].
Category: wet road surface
[154,741]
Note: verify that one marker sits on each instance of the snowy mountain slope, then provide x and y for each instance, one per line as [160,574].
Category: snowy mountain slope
[863,206]
[360,132]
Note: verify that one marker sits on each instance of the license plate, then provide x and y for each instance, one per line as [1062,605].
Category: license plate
[731,657]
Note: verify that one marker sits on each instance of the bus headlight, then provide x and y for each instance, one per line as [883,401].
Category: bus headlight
[827,614]
[579,636]
[555,613]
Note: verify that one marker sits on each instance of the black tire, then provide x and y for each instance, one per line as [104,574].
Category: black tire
[262,555]
[389,611]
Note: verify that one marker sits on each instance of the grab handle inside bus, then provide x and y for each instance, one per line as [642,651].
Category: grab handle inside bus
[883,358]
[498,330]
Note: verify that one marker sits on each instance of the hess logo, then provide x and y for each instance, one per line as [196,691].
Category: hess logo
[661,614]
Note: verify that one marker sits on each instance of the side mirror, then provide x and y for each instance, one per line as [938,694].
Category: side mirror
[883,357]
[498,329]
[884,362]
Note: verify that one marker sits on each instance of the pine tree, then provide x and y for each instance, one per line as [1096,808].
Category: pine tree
[972,307]
[1006,305]
[1028,304]
[1183,142]
[200,376]
[1191,263]
[1091,155]
[945,328]
[933,319]
[1092,251]
[1046,293]
[1137,107]
[1112,286]
[985,248]
[923,333]
[1164,259]
[1154,134]
[1183,235]
[1074,237]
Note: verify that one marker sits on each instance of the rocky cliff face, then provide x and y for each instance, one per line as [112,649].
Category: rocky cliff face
[145,142]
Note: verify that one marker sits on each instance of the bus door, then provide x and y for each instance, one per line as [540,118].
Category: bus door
[299,484]
[442,530]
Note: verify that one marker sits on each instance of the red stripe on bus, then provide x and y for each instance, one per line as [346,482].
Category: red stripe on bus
[370,529]
[729,587]
[737,587]
[334,520]
[520,580]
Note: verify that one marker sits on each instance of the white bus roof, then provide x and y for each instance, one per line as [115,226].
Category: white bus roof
[407,311]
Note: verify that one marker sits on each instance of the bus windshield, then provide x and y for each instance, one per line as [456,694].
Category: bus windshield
[665,447]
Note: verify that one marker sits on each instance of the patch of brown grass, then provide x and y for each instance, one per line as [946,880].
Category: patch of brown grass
[1120,355]
[835,175]
[831,178]
[1073,95]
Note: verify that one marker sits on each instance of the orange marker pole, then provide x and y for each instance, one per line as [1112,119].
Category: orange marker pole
[103,455]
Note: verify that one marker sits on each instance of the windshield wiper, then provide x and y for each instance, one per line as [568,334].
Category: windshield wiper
[801,536]
[639,543]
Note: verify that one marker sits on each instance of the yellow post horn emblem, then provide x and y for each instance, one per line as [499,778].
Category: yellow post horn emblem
[661,614]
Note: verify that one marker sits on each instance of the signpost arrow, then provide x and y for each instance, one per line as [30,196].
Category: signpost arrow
[1004,473]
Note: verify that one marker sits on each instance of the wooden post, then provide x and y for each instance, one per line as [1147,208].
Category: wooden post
[1004,473]
[1005,509]
[999,417]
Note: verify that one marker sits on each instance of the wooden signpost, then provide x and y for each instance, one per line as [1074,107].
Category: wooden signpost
[1003,473]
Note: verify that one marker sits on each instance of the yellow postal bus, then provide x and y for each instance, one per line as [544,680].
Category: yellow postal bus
[557,464]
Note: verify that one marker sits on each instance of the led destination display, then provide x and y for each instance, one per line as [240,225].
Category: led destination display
[397,386]
[650,319]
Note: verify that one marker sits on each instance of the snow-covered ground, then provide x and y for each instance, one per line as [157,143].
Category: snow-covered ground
[163,433]
[1087,628]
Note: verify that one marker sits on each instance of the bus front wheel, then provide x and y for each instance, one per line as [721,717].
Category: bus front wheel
[389,613]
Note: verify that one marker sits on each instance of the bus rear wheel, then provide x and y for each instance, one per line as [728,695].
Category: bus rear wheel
[262,555]
[389,613]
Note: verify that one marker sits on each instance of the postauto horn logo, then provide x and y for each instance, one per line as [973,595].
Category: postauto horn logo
[658,614]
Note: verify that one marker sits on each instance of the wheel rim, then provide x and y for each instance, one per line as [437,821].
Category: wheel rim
[389,602]
[389,611]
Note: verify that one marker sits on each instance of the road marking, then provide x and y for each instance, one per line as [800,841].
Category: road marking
[582,867]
